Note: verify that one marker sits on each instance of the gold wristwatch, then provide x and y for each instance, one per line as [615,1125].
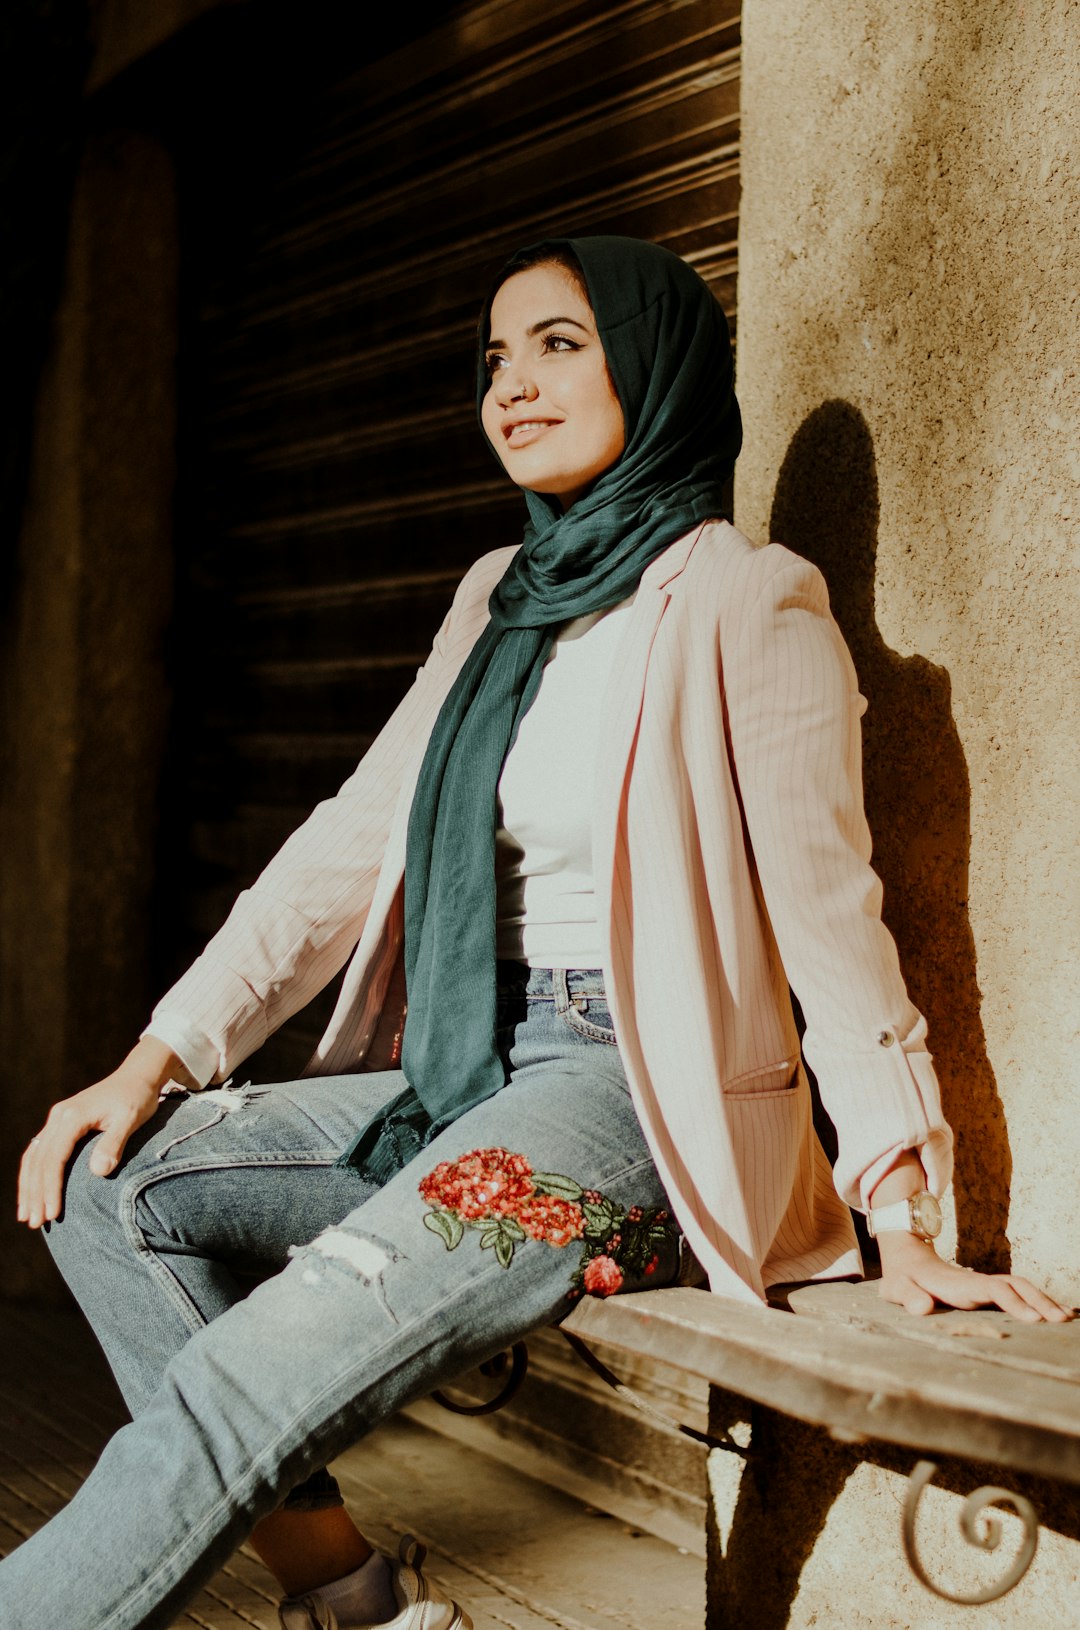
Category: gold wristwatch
[919,1214]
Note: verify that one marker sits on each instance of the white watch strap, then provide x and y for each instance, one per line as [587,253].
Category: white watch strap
[891,1219]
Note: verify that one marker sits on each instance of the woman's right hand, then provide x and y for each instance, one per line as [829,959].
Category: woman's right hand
[114,1106]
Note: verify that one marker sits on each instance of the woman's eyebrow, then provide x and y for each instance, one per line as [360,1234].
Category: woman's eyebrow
[538,328]
[550,322]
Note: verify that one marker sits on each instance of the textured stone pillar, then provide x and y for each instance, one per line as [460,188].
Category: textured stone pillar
[908,319]
[908,315]
[82,686]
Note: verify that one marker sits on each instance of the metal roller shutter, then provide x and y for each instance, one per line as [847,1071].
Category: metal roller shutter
[337,240]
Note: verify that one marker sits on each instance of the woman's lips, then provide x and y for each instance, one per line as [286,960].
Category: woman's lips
[527,431]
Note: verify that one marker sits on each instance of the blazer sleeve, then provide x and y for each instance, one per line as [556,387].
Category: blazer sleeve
[295,927]
[794,711]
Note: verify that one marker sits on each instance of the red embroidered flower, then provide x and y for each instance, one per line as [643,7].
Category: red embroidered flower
[549,1218]
[483,1183]
[603,1276]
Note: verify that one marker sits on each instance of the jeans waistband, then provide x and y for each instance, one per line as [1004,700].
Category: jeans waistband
[546,984]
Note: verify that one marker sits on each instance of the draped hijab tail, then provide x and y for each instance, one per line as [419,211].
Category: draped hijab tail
[667,348]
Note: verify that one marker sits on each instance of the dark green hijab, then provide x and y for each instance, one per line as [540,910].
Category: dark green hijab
[667,349]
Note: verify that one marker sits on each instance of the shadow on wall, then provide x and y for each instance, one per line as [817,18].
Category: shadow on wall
[784,1500]
[825,507]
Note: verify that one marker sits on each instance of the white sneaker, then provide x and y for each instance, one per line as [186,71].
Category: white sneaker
[308,1612]
[422,1605]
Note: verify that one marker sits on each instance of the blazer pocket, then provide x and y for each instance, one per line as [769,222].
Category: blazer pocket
[771,1079]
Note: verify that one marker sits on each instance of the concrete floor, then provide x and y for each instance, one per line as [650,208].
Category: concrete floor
[517,1553]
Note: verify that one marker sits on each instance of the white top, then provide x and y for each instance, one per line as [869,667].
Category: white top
[543,845]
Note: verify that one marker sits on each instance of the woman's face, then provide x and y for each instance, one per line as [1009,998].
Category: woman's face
[550,410]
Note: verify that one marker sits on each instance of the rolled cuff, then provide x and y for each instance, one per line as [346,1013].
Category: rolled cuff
[196,1052]
[883,1099]
[935,1155]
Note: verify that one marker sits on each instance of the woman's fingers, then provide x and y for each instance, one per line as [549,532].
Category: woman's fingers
[124,1117]
[1001,1291]
[944,1284]
[905,1290]
[49,1153]
[41,1172]
[1012,1293]
[917,1300]
[1032,1298]
[114,1108]
[109,1147]
[26,1183]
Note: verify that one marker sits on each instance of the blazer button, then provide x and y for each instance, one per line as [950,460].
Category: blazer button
[886,1038]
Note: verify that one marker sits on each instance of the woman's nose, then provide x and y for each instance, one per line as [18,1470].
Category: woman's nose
[513,386]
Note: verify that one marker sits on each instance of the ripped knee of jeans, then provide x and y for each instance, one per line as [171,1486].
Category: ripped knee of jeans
[337,1251]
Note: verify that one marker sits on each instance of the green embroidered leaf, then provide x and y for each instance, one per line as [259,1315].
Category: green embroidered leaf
[504,1251]
[600,1218]
[507,1229]
[553,1183]
[447,1225]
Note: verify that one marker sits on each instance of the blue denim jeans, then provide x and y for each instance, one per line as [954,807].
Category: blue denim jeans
[373,1296]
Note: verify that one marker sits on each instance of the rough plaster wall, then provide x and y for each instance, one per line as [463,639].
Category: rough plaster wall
[908,254]
[909,368]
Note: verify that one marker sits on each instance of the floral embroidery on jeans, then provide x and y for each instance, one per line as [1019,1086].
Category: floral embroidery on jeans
[622,1245]
[499,1195]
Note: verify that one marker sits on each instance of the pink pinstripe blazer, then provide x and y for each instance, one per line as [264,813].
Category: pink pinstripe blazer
[731,855]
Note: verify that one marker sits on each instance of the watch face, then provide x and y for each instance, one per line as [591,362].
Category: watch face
[926,1214]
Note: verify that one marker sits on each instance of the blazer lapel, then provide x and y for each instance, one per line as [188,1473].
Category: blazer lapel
[620,712]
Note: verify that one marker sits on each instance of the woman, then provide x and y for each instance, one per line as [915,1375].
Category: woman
[627,784]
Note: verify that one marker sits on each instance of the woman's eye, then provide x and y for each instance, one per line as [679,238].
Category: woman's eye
[560,342]
[496,361]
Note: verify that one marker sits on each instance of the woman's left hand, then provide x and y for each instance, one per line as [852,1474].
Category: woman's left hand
[913,1275]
